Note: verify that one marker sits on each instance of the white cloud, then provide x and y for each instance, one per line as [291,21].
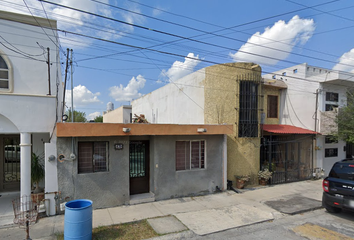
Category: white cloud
[181,69]
[93,115]
[281,35]
[347,59]
[130,92]
[71,20]
[82,96]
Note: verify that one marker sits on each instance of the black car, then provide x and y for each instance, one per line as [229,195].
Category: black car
[338,187]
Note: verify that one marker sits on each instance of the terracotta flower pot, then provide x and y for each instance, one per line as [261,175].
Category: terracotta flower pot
[240,184]
[37,197]
[263,182]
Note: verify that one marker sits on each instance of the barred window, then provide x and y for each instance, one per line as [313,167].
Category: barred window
[248,113]
[190,155]
[331,152]
[92,157]
[331,96]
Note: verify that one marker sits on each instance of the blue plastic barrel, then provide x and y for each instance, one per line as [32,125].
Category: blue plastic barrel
[78,220]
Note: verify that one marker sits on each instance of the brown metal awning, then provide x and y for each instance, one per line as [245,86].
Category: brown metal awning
[286,129]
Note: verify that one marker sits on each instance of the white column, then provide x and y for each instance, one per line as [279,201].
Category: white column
[51,173]
[25,139]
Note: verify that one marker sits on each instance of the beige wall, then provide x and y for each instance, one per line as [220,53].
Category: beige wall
[270,91]
[221,87]
[119,115]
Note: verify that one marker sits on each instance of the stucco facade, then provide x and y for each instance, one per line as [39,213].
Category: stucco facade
[30,103]
[222,104]
[112,187]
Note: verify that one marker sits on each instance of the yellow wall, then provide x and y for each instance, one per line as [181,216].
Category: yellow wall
[221,106]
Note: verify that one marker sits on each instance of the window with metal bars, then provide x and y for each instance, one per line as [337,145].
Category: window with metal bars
[92,157]
[248,111]
[190,155]
[332,97]
[331,152]
[272,106]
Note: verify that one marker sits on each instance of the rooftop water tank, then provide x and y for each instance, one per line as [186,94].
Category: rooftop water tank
[110,106]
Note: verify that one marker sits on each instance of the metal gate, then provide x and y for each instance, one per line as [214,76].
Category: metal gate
[139,167]
[10,163]
[288,157]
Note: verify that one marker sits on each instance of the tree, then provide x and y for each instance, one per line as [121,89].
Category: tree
[78,116]
[98,119]
[345,120]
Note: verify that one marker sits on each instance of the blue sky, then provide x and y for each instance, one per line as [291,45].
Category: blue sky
[132,47]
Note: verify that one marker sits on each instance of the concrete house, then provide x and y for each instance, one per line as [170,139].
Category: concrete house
[119,163]
[233,93]
[312,99]
[29,100]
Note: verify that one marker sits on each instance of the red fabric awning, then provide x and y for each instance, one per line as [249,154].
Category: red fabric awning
[286,129]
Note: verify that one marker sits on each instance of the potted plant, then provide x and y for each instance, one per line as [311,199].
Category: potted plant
[264,176]
[241,180]
[37,174]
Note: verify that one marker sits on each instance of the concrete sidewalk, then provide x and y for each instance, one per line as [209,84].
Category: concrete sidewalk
[202,215]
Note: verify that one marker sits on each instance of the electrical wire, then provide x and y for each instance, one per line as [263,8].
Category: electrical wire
[171,34]
[217,35]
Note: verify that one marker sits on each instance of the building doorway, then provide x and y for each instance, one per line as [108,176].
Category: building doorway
[139,164]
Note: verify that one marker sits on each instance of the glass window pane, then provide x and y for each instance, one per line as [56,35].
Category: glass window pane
[4,84]
[85,157]
[3,64]
[4,74]
[195,154]
[181,155]
[100,156]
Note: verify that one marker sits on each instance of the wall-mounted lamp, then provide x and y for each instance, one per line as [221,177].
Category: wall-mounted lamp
[201,130]
[126,130]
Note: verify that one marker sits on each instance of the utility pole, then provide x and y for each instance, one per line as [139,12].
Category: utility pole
[314,155]
[72,87]
[48,62]
[66,76]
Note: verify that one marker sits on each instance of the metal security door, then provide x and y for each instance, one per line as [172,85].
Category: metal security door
[139,167]
[10,163]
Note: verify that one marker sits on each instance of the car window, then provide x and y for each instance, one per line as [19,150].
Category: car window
[342,171]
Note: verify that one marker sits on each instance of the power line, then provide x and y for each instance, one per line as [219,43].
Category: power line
[19,50]
[171,34]
[142,48]
[42,27]
[166,43]
[217,35]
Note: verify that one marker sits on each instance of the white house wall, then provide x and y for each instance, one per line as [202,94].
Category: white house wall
[29,113]
[300,102]
[186,96]
[28,110]
[30,76]
[300,99]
